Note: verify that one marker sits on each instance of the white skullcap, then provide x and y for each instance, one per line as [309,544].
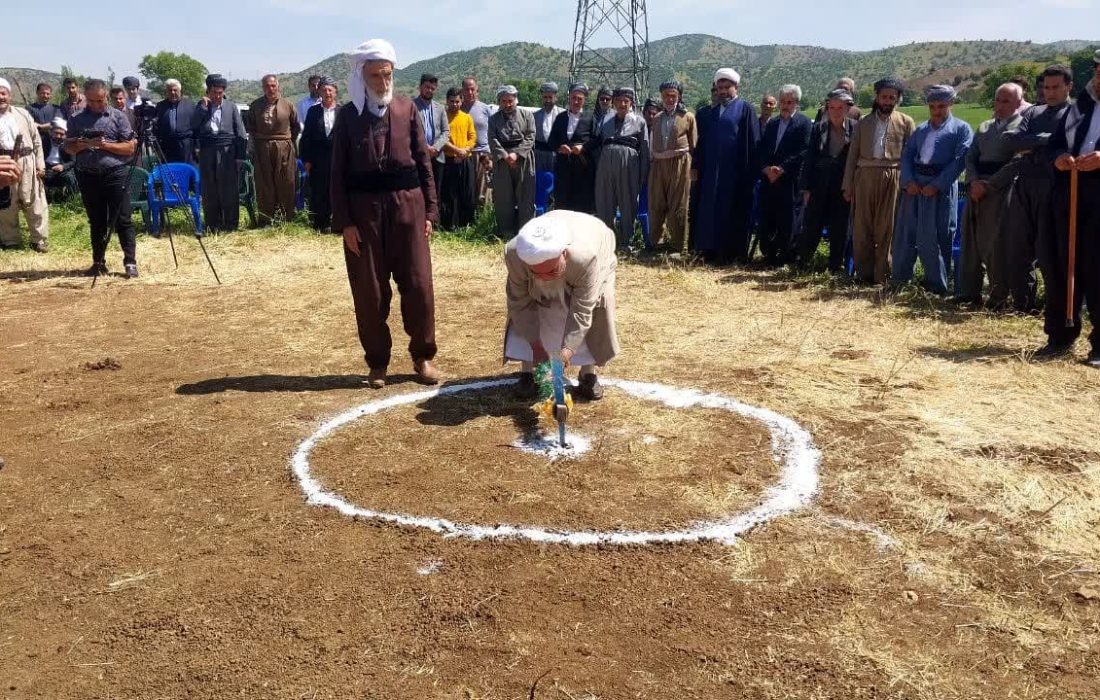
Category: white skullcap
[60,123]
[727,74]
[542,239]
[372,50]
[5,84]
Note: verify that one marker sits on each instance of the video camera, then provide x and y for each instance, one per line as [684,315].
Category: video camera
[146,111]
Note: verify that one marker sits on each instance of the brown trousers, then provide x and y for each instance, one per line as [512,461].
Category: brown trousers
[874,205]
[276,175]
[391,226]
[669,191]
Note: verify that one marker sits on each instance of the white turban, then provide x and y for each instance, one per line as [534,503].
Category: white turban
[542,239]
[60,123]
[5,84]
[372,50]
[727,74]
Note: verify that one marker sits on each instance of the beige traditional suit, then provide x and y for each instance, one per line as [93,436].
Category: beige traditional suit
[874,180]
[670,179]
[586,290]
[29,195]
[274,129]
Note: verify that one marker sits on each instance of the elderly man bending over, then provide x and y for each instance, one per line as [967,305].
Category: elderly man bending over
[561,295]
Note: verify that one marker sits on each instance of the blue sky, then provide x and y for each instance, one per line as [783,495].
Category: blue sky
[246,38]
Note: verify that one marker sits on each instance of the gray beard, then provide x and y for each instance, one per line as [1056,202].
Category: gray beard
[384,99]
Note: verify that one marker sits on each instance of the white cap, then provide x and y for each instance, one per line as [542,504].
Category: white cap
[5,84]
[542,239]
[727,74]
[60,123]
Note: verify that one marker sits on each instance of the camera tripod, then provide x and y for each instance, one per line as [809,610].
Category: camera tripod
[149,146]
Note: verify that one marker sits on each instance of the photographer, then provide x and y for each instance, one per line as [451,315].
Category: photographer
[103,145]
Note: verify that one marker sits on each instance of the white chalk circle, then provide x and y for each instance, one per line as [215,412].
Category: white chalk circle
[792,448]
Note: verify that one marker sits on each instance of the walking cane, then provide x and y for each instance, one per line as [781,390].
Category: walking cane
[1071,276]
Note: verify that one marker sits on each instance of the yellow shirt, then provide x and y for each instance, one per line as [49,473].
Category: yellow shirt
[463,133]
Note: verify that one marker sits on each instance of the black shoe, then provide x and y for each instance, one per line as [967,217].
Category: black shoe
[526,387]
[1053,351]
[97,269]
[1093,360]
[131,271]
[41,247]
[589,388]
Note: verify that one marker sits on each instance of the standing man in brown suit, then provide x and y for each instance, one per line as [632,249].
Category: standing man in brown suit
[673,139]
[272,122]
[872,179]
[384,201]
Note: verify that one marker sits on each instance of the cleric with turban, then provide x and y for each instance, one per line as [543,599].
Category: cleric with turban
[561,297]
[933,160]
[384,201]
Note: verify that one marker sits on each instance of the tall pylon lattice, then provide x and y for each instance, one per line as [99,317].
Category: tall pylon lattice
[611,44]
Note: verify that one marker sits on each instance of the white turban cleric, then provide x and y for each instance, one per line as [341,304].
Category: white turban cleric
[727,74]
[542,239]
[5,84]
[372,50]
[60,123]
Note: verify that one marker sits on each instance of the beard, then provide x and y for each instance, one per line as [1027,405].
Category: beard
[383,98]
[884,109]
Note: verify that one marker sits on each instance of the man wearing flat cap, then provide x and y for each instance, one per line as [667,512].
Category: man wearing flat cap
[219,130]
[822,178]
[437,129]
[574,170]
[724,168]
[544,123]
[673,138]
[623,166]
[872,180]
[273,124]
[931,164]
[384,202]
[1075,145]
[561,298]
[315,149]
[512,143]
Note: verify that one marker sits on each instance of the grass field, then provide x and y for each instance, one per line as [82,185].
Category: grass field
[155,543]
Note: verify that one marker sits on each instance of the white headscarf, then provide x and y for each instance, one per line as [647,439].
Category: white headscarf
[5,84]
[372,50]
[728,74]
[542,239]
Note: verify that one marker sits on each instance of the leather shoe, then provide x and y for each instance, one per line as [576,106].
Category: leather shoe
[41,247]
[1052,351]
[590,388]
[426,372]
[97,269]
[1093,360]
[526,387]
[376,378]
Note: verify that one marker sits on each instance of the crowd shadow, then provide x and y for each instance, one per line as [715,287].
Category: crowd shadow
[977,353]
[37,275]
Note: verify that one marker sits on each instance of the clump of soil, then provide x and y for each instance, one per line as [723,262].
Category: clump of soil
[106,363]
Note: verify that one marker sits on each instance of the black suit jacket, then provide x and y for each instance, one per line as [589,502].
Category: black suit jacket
[185,109]
[581,135]
[315,147]
[818,151]
[791,150]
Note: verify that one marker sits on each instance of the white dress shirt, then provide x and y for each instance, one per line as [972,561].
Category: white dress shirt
[1093,135]
[571,125]
[928,148]
[330,119]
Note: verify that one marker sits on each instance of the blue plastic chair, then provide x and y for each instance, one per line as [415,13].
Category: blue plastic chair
[174,185]
[544,187]
[300,190]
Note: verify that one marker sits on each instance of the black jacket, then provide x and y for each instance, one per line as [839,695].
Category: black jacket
[792,149]
[817,155]
[315,147]
[185,110]
[581,135]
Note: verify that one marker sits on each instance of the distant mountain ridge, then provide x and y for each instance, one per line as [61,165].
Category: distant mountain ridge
[690,58]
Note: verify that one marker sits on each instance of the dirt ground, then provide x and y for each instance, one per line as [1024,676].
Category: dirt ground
[153,543]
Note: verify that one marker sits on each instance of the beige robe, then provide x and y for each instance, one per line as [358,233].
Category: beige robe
[29,195]
[586,292]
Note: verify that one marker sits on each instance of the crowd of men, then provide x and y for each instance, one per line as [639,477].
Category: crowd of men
[883,189]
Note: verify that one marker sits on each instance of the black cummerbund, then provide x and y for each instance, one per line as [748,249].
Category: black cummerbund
[384,180]
[628,141]
[543,147]
[989,167]
[511,144]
